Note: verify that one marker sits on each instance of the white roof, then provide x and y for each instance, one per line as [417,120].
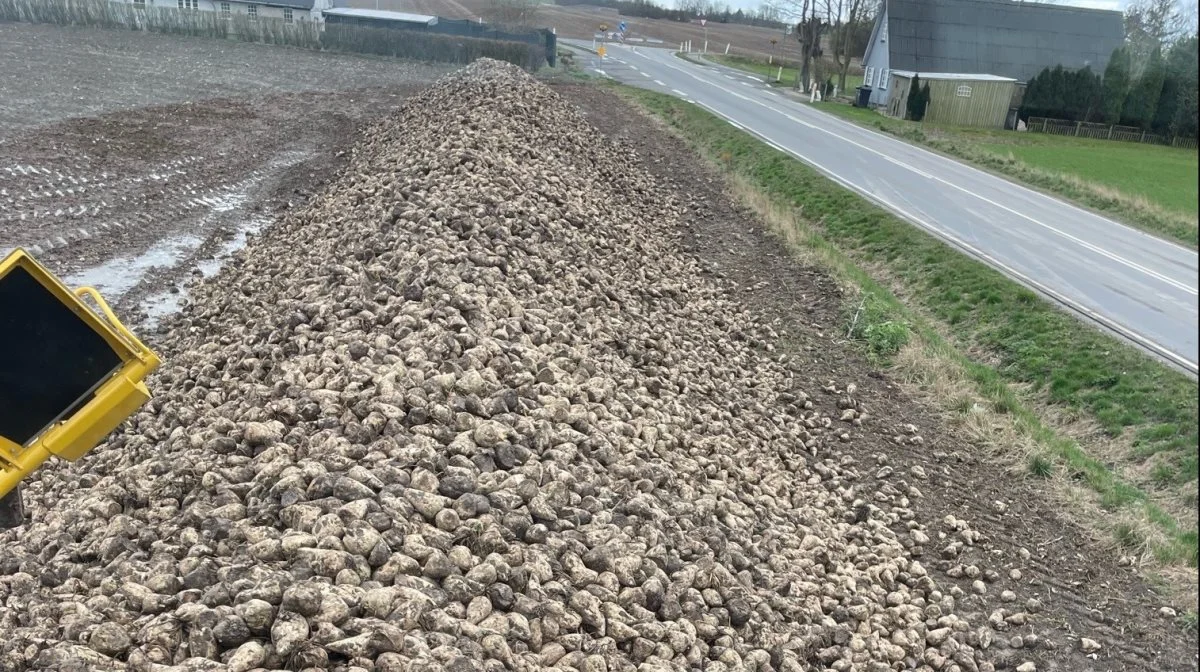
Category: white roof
[382,15]
[953,75]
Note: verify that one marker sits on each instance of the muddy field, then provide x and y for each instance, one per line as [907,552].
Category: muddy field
[198,144]
[50,73]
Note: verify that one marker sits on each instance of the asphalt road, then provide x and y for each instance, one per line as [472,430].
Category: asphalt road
[1136,285]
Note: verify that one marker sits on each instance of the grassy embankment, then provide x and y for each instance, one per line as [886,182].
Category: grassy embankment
[1109,423]
[1151,187]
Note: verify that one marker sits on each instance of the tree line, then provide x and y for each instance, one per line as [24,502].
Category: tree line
[1162,99]
[1151,82]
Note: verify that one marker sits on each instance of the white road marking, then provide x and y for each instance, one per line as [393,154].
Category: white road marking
[659,82]
[1086,245]
[678,93]
[646,75]
[950,237]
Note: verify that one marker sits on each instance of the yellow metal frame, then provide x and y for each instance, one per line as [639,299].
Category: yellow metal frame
[117,398]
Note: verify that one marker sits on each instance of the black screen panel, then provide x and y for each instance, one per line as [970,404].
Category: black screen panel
[50,359]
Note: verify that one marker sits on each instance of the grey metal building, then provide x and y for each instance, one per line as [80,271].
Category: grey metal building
[997,37]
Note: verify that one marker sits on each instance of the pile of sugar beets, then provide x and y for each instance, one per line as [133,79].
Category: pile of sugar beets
[474,409]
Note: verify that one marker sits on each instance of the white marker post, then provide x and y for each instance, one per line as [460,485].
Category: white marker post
[727,48]
[779,75]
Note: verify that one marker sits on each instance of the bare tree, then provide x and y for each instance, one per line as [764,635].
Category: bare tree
[846,20]
[809,25]
[769,12]
[1151,25]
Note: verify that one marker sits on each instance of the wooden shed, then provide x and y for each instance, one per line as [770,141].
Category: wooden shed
[956,99]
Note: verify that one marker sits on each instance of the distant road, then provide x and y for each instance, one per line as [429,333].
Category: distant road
[1133,284]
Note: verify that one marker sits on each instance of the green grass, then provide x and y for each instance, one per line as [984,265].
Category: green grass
[1149,186]
[768,72]
[1033,345]
[1163,175]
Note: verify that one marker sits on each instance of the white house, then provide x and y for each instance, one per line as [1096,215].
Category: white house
[287,10]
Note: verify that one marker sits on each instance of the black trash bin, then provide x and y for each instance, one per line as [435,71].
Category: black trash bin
[864,97]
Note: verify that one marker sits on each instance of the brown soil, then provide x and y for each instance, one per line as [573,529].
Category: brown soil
[1083,593]
[87,193]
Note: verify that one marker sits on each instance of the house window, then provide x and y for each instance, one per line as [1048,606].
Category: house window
[963,91]
[139,3]
[870,78]
[189,4]
[252,12]
[226,12]
[287,15]
[884,75]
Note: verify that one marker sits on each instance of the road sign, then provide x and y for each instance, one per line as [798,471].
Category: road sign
[703,21]
[68,377]
[621,27]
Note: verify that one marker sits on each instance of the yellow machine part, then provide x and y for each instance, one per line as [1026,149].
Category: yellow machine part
[113,401]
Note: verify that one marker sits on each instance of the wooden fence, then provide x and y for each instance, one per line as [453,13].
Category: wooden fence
[1084,129]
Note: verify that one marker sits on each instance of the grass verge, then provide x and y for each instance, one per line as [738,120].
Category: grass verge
[769,72]
[1148,186]
[1038,357]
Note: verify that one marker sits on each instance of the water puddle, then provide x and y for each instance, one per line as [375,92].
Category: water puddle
[168,302]
[115,277]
